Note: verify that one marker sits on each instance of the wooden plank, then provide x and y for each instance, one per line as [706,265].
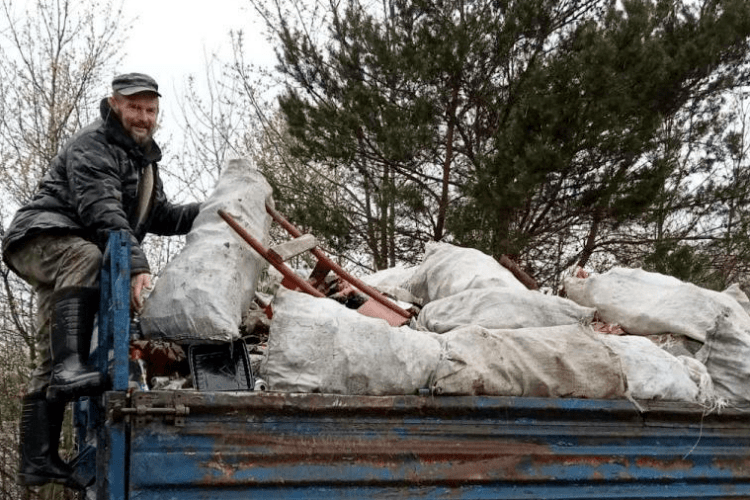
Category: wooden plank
[293,248]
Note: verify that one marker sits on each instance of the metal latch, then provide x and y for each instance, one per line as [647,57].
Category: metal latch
[142,412]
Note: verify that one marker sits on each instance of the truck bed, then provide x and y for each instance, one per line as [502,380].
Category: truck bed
[189,444]
[218,445]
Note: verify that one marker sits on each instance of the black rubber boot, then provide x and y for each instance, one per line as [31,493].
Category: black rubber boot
[73,313]
[41,423]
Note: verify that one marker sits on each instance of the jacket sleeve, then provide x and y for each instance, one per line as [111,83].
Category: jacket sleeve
[172,219]
[96,187]
[168,219]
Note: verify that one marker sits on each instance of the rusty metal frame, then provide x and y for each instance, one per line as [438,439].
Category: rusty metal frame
[322,258]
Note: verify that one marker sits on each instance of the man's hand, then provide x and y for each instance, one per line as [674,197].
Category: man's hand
[138,284]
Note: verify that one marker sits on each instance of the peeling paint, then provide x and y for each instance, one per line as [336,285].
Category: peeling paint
[481,448]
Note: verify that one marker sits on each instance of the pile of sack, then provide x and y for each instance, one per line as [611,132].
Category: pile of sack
[479,331]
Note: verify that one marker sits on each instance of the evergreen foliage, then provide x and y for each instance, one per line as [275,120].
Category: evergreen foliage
[547,130]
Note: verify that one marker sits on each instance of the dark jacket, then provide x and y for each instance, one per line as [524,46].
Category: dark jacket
[91,189]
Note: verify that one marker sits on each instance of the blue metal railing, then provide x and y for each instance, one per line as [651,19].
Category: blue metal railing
[103,444]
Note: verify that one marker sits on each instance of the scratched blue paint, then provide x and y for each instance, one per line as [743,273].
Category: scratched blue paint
[114,312]
[120,276]
[180,469]
[116,472]
[697,469]
[625,468]
[683,464]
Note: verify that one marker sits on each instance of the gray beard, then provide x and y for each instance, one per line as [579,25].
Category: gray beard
[142,140]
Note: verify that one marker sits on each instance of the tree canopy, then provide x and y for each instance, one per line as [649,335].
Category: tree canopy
[545,130]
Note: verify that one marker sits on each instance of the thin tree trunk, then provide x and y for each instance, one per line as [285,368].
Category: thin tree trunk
[443,208]
[590,245]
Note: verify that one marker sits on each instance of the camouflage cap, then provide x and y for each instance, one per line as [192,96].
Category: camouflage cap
[134,83]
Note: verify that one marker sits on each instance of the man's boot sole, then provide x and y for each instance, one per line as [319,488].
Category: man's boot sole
[69,392]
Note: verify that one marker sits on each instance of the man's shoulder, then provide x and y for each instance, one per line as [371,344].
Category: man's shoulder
[93,132]
[92,139]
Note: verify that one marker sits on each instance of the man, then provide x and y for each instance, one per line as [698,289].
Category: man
[104,179]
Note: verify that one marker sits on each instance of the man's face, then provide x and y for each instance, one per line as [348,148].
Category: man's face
[138,114]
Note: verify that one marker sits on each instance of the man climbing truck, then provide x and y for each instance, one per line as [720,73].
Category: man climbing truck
[105,179]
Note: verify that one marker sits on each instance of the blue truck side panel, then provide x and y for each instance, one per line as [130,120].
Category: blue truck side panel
[269,445]
[187,445]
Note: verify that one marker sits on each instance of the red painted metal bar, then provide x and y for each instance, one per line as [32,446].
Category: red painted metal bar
[258,247]
[364,287]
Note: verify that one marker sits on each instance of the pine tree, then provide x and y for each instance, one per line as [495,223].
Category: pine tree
[517,127]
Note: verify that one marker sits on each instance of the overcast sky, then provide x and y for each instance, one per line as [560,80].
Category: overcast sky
[173,39]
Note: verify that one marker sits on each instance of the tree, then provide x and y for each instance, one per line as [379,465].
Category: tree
[713,215]
[582,144]
[363,122]
[509,126]
[53,57]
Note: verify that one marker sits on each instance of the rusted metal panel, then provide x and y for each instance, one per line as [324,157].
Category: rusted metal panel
[245,445]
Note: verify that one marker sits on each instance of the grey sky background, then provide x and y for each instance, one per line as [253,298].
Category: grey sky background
[172,40]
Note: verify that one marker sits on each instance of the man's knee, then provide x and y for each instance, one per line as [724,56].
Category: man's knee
[80,264]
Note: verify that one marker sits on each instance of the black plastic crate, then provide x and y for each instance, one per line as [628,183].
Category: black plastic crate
[221,367]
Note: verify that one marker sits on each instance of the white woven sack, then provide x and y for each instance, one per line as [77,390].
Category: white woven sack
[561,361]
[318,345]
[500,307]
[645,303]
[448,269]
[653,373]
[737,294]
[726,354]
[393,282]
[202,293]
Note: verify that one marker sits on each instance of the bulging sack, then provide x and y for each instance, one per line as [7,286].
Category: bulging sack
[561,361]
[726,354]
[204,290]
[645,303]
[447,270]
[653,373]
[500,307]
[318,345]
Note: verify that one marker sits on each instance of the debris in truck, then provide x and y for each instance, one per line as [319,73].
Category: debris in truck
[645,303]
[494,315]
[204,291]
[374,304]
[726,354]
[221,367]
[676,345]
[475,328]
[318,345]
[737,294]
[391,282]
[653,373]
[558,361]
